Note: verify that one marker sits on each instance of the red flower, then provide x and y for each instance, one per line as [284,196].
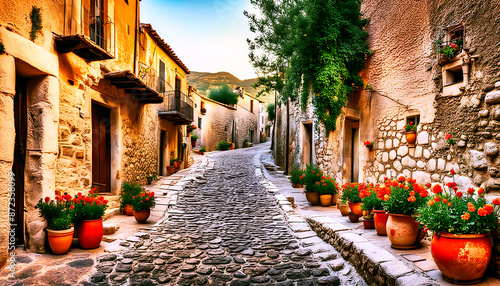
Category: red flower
[459,194]
[480,192]
[445,200]
[428,185]
[466,216]
[449,204]
[47,199]
[496,201]
[401,179]
[452,171]
[437,199]
[447,136]
[488,208]
[437,189]
[71,207]
[105,202]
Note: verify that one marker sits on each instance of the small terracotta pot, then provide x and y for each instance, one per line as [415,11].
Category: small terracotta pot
[356,208]
[380,220]
[193,143]
[353,217]
[90,233]
[411,138]
[344,209]
[312,198]
[297,185]
[368,224]
[141,216]
[128,209]
[403,231]
[171,169]
[177,164]
[60,240]
[462,258]
[335,198]
[326,200]
[202,153]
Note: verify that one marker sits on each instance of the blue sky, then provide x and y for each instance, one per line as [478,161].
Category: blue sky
[208,36]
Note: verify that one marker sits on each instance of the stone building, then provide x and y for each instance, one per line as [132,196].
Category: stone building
[79,107]
[218,122]
[412,81]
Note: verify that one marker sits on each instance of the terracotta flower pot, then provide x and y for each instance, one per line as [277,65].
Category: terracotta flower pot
[297,185]
[335,198]
[177,164]
[411,138]
[202,153]
[368,224]
[380,220]
[344,209]
[90,233]
[60,240]
[232,146]
[312,198]
[141,216]
[356,208]
[403,231]
[128,209]
[171,169]
[462,258]
[193,143]
[326,200]
[353,217]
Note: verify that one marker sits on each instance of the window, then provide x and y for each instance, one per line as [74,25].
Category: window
[251,105]
[199,122]
[453,75]
[413,118]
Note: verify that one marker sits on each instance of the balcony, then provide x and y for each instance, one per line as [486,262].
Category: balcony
[177,108]
[87,33]
[146,87]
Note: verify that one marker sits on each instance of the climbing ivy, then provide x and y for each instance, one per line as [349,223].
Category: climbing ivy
[310,45]
[36,22]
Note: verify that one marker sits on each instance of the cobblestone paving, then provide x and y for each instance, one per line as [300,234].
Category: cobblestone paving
[226,229]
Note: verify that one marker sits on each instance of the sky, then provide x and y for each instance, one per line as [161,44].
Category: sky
[208,36]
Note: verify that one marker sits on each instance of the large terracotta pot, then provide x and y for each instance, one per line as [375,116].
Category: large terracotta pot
[356,208]
[177,164]
[344,209]
[411,138]
[380,220]
[335,198]
[129,209]
[403,231]
[462,258]
[141,216]
[312,198]
[90,233]
[326,200]
[60,240]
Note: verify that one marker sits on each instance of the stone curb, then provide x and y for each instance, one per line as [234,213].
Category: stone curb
[376,265]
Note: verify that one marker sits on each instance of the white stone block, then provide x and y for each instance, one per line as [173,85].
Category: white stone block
[7,74]
[422,178]
[423,138]
[385,157]
[436,178]
[392,155]
[397,165]
[441,164]
[388,144]
[420,164]
[395,142]
[427,154]
[403,150]
[408,162]
[431,165]
[418,151]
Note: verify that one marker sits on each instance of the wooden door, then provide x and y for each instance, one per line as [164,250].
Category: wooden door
[101,148]
[21,123]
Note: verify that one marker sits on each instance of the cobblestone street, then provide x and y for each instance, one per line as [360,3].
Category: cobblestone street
[226,229]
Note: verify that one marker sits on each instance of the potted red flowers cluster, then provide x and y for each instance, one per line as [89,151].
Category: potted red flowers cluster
[370,203]
[129,189]
[411,134]
[143,203]
[350,193]
[460,223]
[88,212]
[59,216]
[406,196]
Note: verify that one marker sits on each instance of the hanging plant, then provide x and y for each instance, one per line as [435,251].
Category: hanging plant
[36,22]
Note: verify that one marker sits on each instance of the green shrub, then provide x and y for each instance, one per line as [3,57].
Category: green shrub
[203,149]
[224,95]
[36,22]
[194,137]
[129,189]
[298,176]
[271,115]
[223,146]
[313,176]
[246,143]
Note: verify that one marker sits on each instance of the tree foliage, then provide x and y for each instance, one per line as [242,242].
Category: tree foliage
[271,115]
[309,45]
[224,95]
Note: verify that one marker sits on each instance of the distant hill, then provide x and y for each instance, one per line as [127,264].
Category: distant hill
[204,81]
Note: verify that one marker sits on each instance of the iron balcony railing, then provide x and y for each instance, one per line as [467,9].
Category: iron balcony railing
[90,20]
[175,100]
[149,77]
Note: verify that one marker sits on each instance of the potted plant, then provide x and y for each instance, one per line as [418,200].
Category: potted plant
[58,215]
[151,178]
[312,176]
[401,206]
[350,192]
[297,177]
[327,189]
[460,223]
[369,202]
[353,217]
[223,146]
[369,145]
[194,137]
[190,128]
[203,149]
[177,163]
[411,134]
[128,190]
[143,203]
[246,144]
[88,212]
[380,217]
[344,208]
[450,50]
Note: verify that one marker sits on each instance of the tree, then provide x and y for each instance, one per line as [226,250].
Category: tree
[304,45]
[224,95]
[271,115]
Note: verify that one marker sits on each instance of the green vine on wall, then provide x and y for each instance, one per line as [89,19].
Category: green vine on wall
[36,22]
[310,44]
[2,49]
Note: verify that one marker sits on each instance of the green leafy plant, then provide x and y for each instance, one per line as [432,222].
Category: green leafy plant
[450,210]
[405,197]
[246,143]
[191,127]
[144,201]
[194,137]
[223,146]
[203,149]
[327,185]
[271,115]
[297,175]
[58,213]
[36,22]
[224,95]
[350,192]
[449,138]
[411,127]
[2,49]
[450,50]
[89,207]
[312,178]
[128,190]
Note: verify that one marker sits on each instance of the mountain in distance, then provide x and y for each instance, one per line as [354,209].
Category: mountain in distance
[204,81]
